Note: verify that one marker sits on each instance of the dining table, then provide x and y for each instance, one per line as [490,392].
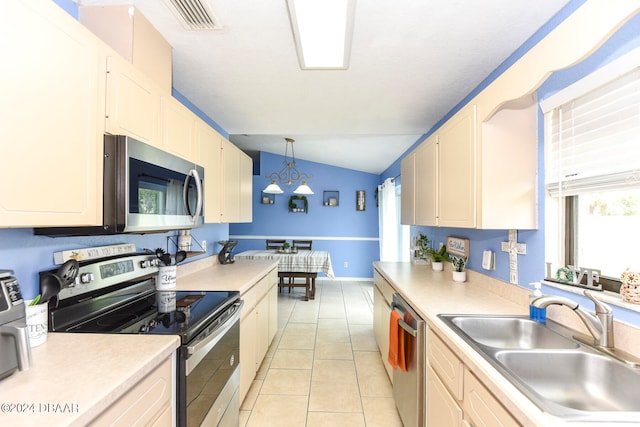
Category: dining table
[302,263]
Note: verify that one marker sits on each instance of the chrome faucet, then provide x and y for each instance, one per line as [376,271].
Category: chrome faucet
[600,326]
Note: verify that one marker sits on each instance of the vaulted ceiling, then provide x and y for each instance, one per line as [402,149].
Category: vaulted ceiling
[411,62]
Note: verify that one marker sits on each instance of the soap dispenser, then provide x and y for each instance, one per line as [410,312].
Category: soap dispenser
[537,314]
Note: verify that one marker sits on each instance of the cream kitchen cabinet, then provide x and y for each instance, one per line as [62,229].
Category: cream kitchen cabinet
[456,156]
[408,197]
[149,402]
[455,397]
[132,104]
[444,180]
[382,296]
[178,128]
[52,120]
[258,327]
[426,182]
[237,176]
[131,34]
[209,143]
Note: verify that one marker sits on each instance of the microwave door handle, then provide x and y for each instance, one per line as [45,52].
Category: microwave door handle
[185,194]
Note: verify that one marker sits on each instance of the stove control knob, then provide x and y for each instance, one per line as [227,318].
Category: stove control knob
[86,277]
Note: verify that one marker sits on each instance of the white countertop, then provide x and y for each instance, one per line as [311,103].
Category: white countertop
[74,377]
[208,275]
[431,293]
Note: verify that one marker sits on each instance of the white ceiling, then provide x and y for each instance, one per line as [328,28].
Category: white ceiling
[412,61]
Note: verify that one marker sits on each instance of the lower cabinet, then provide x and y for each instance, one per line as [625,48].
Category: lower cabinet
[258,326]
[148,403]
[455,397]
[382,293]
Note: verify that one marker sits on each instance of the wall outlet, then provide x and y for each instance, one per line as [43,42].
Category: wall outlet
[346,264]
[204,246]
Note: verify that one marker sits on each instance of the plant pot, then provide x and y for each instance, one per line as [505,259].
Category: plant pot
[437,266]
[459,276]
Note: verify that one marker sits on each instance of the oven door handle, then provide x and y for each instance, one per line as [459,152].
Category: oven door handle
[211,340]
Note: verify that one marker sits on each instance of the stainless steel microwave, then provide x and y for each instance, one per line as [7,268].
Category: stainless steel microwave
[145,190]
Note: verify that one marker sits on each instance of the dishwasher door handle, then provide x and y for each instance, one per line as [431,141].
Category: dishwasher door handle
[404,325]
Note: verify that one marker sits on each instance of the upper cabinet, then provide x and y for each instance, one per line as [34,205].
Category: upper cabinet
[52,118]
[178,128]
[132,104]
[426,182]
[209,143]
[130,34]
[236,178]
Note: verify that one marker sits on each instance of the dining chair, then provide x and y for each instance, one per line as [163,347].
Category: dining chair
[303,244]
[275,244]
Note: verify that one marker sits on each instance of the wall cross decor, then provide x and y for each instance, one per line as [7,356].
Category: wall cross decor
[513,248]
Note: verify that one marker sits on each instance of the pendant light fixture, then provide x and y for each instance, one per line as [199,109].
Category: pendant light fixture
[288,174]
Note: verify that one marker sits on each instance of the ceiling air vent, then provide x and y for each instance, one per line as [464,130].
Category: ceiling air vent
[194,14]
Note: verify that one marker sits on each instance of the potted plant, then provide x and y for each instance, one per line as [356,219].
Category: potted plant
[422,246]
[285,247]
[437,257]
[458,263]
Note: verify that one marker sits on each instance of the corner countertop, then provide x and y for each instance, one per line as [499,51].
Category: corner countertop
[74,377]
[208,275]
[431,293]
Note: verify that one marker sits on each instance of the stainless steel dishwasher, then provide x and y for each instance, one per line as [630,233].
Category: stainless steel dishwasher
[409,385]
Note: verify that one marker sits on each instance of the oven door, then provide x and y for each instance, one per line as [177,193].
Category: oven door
[163,192]
[209,375]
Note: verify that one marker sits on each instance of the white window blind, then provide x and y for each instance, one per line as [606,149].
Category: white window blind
[593,141]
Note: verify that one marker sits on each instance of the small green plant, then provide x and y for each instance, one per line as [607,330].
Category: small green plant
[458,263]
[422,246]
[439,255]
[285,245]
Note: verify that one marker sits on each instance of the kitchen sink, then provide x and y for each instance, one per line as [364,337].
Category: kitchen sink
[511,332]
[561,375]
[576,379]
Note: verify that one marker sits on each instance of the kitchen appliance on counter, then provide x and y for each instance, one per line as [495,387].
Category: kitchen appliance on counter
[118,295]
[225,255]
[15,352]
[145,190]
[409,385]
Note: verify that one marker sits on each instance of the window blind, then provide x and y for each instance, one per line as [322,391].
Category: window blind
[593,141]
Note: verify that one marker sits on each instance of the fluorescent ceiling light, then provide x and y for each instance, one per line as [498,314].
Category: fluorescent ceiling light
[322,31]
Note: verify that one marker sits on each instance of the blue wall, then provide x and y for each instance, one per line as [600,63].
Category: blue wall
[350,236]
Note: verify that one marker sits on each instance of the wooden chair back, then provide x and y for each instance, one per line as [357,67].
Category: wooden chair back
[303,244]
[275,244]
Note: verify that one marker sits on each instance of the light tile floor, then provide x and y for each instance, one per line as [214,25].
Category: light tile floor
[323,367]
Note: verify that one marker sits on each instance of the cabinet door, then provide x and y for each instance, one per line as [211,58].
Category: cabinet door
[407,197]
[52,118]
[381,313]
[426,182]
[178,128]
[273,312]
[248,325]
[246,188]
[133,103]
[209,144]
[262,338]
[457,170]
[481,408]
[230,182]
[442,409]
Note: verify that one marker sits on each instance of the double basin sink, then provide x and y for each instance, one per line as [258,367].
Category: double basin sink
[562,376]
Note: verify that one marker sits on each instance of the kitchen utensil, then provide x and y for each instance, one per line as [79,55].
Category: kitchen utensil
[50,286]
[166,259]
[180,256]
[159,253]
[36,300]
[68,272]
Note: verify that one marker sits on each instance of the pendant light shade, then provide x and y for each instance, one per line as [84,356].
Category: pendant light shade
[273,188]
[303,189]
